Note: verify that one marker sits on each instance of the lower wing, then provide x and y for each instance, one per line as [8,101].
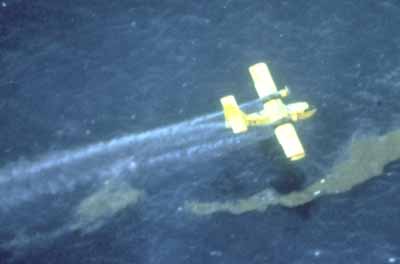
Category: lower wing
[290,142]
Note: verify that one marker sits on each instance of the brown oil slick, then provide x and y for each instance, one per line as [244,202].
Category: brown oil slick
[365,158]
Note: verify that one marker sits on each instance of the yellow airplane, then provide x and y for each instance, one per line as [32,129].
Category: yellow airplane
[274,112]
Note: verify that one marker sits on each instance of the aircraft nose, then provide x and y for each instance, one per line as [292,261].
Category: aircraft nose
[310,111]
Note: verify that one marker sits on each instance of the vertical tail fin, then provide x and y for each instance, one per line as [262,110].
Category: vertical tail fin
[234,117]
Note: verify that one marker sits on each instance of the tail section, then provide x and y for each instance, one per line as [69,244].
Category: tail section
[234,117]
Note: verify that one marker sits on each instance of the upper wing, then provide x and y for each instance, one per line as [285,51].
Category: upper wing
[289,141]
[265,86]
[262,79]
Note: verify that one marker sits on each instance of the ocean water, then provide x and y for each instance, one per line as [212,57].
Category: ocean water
[112,135]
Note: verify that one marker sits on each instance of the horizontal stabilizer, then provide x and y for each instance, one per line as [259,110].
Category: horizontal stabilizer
[290,142]
[234,117]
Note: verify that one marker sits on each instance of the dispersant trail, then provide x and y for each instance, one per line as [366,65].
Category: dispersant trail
[188,141]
